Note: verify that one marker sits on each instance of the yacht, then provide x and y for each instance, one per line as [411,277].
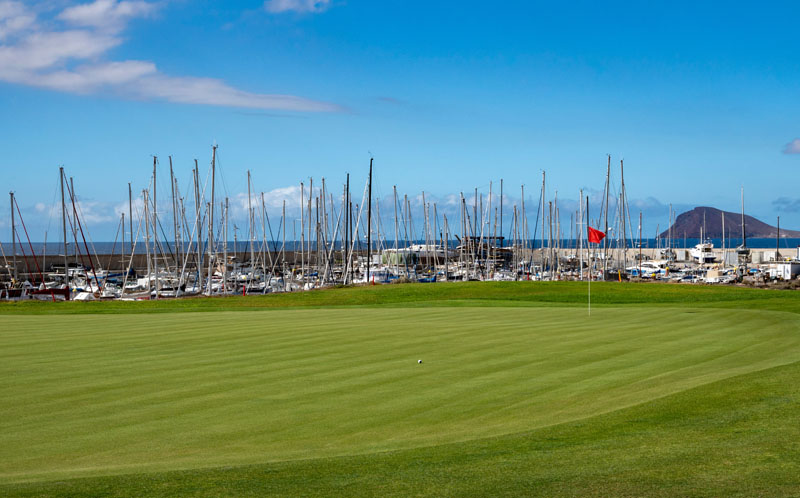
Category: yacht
[703,252]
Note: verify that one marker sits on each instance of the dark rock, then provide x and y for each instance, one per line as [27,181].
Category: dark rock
[690,224]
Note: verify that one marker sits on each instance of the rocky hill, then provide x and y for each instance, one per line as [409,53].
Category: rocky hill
[690,223]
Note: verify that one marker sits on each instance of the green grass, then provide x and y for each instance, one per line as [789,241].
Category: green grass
[664,390]
[446,294]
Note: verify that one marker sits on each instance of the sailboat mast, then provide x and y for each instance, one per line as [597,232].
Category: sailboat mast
[589,262]
[283,246]
[211,214]
[369,220]
[669,232]
[122,224]
[130,210]
[308,224]
[302,236]
[155,227]
[580,234]
[146,221]
[523,219]
[13,238]
[622,213]
[225,248]
[351,243]
[705,231]
[174,213]
[343,230]
[605,223]
[541,244]
[489,241]
[264,244]
[209,208]
[396,234]
[744,234]
[346,234]
[198,229]
[640,244]
[251,235]
[64,225]
[501,213]
[723,239]
[550,237]
[74,218]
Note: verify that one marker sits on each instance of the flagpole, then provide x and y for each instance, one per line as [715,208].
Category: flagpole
[588,244]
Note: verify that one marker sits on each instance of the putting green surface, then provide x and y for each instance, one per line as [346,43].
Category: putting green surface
[127,393]
[308,400]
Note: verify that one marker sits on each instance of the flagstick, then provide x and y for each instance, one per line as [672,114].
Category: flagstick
[590,291]
[589,245]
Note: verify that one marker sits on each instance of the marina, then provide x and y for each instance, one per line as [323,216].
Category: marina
[182,248]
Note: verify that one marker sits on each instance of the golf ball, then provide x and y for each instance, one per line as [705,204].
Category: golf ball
[419,361]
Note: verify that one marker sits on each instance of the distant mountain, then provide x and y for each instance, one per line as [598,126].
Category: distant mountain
[690,224]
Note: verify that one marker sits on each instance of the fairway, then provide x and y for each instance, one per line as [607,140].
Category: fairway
[127,394]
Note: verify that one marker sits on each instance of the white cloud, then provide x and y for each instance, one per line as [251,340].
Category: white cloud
[273,200]
[88,78]
[302,6]
[137,206]
[90,212]
[34,53]
[46,50]
[275,197]
[792,147]
[106,14]
[209,91]
[95,212]
[14,18]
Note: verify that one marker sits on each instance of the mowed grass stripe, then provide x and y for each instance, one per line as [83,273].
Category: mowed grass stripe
[735,437]
[102,394]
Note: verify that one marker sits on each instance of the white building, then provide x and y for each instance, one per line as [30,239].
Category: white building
[783,270]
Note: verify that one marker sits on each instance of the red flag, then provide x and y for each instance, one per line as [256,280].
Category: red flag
[595,236]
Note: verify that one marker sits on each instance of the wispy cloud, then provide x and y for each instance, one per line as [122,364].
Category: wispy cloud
[95,212]
[391,100]
[66,53]
[301,6]
[792,147]
[786,205]
[14,17]
[273,200]
[91,212]
[106,14]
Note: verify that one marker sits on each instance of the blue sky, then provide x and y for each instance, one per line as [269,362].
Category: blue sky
[699,98]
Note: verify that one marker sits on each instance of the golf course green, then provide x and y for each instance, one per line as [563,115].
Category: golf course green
[659,390]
